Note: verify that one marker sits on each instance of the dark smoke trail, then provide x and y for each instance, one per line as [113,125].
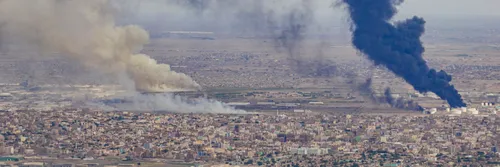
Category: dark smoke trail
[388,97]
[293,32]
[397,46]
[199,6]
[366,87]
[367,92]
[400,102]
[1,37]
[287,27]
[291,39]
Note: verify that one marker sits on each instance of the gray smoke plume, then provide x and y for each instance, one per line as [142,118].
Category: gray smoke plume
[365,89]
[291,39]
[388,97]
[199,5]
[400,102]
[293,29]
[85,30]
[174,103]
[286,22]
[1,38]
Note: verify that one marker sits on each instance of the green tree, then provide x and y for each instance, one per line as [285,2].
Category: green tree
[396,156]
[249,162]
[481,157]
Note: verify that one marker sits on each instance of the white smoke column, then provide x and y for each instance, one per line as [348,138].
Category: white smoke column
[169,102]
[174,103]
[86,31]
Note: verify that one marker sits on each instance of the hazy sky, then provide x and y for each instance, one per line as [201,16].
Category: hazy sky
[447,8]
[434,8]
[434,11]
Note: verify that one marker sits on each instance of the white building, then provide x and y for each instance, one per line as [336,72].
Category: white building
[309,151]
[473,111]
[456,111]
[5,95]
[464,109]
[316,103]
[238,103]
[266,103]
[301,111]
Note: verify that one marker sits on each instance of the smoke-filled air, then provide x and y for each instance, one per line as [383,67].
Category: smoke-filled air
[397,46]
[169,102]
[287,22]
[86,31]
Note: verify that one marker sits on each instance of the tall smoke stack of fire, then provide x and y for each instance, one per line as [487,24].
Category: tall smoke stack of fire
[86,31]
[397,46]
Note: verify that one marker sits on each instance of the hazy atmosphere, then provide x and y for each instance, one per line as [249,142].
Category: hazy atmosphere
[220,83]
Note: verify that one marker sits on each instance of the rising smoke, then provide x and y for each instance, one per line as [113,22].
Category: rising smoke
[85,30]
[400,102]
[291,38]
[397,46]
[1,37]
[286,22]
[388,97]
[175,103]
[294,26]
[367,91]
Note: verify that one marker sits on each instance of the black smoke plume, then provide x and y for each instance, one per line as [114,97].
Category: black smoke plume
[397,46]
[366,90]
[388,97]
[366,87]
[399,102]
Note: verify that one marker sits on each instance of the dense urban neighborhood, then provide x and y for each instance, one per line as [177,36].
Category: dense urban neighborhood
[287,139]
